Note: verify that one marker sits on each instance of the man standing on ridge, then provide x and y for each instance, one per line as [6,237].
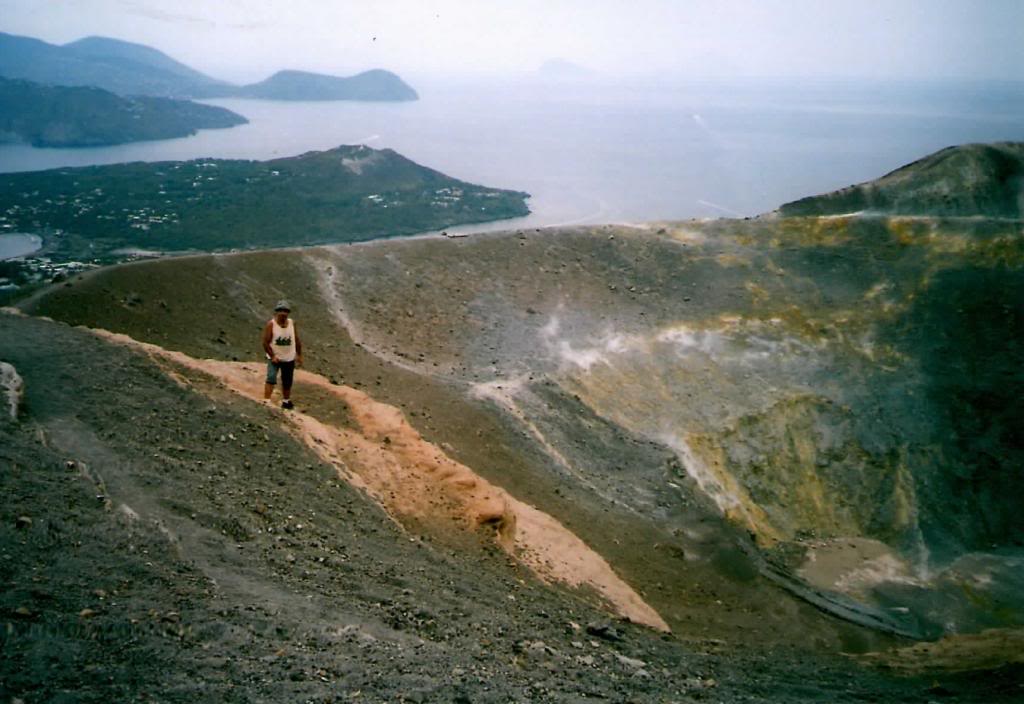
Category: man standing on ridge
[284,352]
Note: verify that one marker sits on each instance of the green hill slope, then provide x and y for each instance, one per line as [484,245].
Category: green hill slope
[346,194]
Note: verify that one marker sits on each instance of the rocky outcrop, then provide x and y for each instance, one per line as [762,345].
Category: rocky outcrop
[985,180]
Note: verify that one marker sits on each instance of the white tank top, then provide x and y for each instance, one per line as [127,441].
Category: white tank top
[282,340]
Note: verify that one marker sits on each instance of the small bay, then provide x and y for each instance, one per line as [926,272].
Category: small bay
[18,244]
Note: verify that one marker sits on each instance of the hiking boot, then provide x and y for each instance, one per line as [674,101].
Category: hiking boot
[287,405]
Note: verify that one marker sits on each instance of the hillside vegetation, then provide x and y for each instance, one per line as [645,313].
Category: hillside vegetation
[346,194]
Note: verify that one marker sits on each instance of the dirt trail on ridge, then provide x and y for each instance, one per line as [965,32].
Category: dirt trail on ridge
[412,478]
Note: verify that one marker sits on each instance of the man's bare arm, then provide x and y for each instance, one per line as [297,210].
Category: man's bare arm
[268,334]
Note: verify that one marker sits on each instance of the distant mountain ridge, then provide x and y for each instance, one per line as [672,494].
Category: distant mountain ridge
[140,54]
[120,67]
[127,68]
[80,116]
[968,180]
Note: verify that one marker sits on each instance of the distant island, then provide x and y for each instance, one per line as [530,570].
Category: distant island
[564,70]
[80,116]
[300,85]
[103,214]
[126,68]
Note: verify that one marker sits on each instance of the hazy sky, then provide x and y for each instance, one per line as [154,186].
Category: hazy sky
[248,39]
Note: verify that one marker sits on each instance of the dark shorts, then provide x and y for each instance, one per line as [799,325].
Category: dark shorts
[287,372]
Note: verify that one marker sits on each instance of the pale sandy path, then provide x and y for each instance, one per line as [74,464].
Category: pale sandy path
[413,478]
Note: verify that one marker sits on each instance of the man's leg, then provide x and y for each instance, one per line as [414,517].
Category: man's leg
[268,387]
[287,372]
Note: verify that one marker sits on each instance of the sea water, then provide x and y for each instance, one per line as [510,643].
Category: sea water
[597,152]
[17,244]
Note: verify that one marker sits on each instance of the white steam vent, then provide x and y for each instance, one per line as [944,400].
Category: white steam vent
[11,387]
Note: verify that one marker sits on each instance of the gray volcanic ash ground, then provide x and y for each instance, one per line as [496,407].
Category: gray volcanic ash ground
[733,461]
